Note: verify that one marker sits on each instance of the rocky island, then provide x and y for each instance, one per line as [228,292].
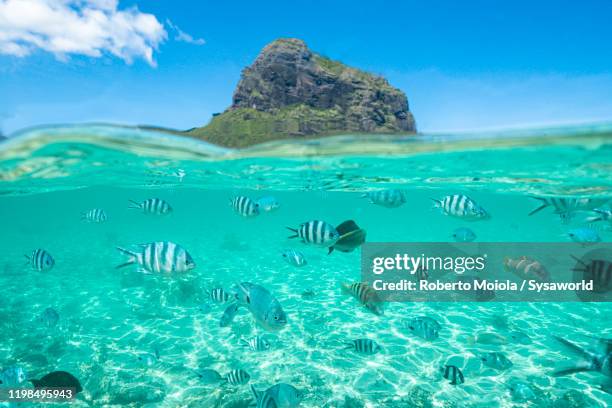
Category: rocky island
[290,91]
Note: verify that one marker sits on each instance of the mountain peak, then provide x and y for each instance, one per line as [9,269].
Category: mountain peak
[291,91]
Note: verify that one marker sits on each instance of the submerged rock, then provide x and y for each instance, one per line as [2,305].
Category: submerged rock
[291,91]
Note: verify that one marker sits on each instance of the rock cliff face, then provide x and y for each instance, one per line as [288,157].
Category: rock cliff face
[290,91]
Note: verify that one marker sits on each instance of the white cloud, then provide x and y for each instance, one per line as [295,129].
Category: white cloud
[80,27]
[183,36]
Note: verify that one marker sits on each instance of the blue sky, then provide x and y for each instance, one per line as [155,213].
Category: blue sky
[464,65]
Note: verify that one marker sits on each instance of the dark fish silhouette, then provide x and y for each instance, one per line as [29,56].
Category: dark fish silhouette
[58,379]
[351,237]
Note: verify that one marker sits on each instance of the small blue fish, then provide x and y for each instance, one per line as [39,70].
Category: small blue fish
[147,360]
[424,327]
[464,235]
[387,198]
[41,260]
[521,391]
[209,376]
[12,376]
[280,395]
[268,203]
[95,215]
[228,315]
[496,360]
[264,307]
[295,258]
[585,235]
[49,318]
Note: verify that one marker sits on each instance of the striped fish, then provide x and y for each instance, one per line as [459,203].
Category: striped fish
[256,343]
[387,198]
[602,215]
[264,400]
[294,257]
[365,295]
[453,374]
[565,205]
[461,206]
[318,233]
[155,206]
[218,295]
[597,270]
[237,377]
[40,260]
[424,327]
[245,206]
[96,215]
[364,346]
[159,257]
[527,268]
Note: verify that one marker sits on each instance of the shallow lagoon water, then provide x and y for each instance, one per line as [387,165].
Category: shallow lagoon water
[114,321]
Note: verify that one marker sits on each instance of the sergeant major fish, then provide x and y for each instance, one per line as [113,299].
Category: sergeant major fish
[237,377]
[245,206]
[602,215]
[365,295]
[453,374]
[295,258]
[95,215]
[264,307]
[318,233]
[568,205]
[461,206]
[218,295]
[256,343]
[41,260]
[155,206]
[599,271]
[386,198]
[159,257]
[364,346]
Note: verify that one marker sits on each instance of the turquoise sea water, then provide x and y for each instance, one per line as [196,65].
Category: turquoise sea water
[135,339]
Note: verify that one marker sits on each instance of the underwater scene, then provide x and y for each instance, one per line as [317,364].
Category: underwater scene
[147,270]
